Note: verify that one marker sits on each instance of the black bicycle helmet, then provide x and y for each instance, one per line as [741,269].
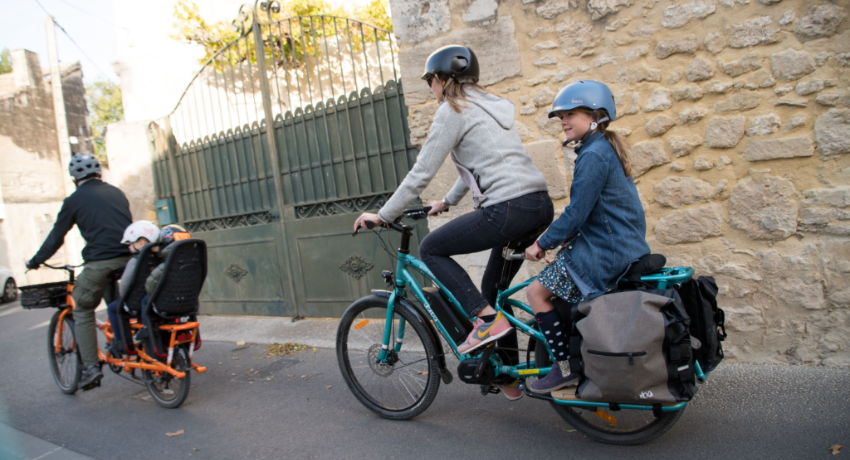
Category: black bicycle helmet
[453,61]
[172,233]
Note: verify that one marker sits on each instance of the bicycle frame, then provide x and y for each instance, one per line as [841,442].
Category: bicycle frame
[404,280]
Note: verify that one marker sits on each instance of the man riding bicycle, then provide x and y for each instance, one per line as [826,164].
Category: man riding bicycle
[102,212]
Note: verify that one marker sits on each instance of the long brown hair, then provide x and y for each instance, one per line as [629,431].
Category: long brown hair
[615,139]
[456,92]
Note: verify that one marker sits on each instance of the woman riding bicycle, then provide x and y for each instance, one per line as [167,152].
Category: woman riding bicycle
[510,194]
[602,231]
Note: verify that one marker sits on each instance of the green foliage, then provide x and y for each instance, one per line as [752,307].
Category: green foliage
[287,39]
[5,61]
[105,106]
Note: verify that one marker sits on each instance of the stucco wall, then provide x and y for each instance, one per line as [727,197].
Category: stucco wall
[738,113]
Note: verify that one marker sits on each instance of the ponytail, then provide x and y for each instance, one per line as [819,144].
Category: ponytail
[621,147]
[455,92]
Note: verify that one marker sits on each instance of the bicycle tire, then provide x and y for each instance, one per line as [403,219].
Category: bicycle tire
[643,425]
[65,365]
[351,356]
[160,386]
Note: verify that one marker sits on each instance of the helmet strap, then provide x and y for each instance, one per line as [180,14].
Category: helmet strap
[590,131]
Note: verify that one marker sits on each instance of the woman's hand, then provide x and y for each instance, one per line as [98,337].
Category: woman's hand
[533,253]
[367,217]
[437,207]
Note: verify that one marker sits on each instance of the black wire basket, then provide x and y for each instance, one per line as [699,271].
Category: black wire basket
[44,295]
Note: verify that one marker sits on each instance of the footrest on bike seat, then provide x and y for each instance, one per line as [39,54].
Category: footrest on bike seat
[565,394]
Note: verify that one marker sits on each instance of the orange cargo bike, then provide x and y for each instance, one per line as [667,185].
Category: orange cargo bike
[160,336]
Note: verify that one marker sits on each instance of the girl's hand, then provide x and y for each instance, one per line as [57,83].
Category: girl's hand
[367,217]
[533,253]
[437,207]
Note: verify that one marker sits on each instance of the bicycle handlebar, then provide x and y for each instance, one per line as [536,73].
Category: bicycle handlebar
[415,214]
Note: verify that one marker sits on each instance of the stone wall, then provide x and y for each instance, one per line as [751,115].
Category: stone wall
[129,152]
[738,113]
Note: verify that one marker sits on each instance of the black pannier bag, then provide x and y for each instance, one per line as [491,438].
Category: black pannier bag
[633,347]
[457,325]
[707,320]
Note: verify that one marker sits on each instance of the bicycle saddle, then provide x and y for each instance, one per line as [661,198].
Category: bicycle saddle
[646,265]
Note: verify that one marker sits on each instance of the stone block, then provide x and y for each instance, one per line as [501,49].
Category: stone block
[682,146]
[646,155]
[793,101]
[551,9]
[419,120]
[481,10]
[693,115]
[598,9]
[547,45]
[546,155]
[724,133]
[665,49]
[837,197]
[832,132]
[688,93]
[691,225]
[772,149]
[819,22]
[658,101]
[787,18]
[744,319]
[796,122]
[548,126]
[699,69]
[749,62]
[764,207]
[414,22]
[575,37]
[761,79]
[809,87]
[738,103]
[703,164]
[660,125]
[495,46]
[678,15]
[717,87]
[790,65]
[544,97]
[676,192]
[714,42]
[677,166]
[798,293]
[634,103]
[636,53]
[764,125]
[528,109]
[757,31]
[631,75]
[563,74]
[675,76]
[619,23]
[645,31]
[545,61]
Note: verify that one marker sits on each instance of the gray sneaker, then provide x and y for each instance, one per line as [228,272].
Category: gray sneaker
[554,380]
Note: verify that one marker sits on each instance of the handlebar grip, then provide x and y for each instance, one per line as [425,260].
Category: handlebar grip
[517,256]
[369,224]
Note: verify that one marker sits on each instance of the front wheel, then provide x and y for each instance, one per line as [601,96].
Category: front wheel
[167,390]
[406,382]
[64,357]
[622,427]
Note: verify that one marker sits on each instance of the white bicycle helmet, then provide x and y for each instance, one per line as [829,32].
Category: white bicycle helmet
[140,229]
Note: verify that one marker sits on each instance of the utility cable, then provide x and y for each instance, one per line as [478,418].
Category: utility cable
[72,41]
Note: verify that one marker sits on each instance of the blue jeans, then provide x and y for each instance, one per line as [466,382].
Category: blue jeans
[112,312]
[518,220]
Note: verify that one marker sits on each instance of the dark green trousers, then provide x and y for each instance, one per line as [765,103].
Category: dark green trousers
[88,292]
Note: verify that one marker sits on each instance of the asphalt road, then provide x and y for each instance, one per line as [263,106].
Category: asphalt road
[251,406]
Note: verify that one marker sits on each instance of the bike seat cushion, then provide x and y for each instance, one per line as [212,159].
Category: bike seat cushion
[646,265]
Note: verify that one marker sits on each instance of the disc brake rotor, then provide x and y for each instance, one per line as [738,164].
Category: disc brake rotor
[381,369]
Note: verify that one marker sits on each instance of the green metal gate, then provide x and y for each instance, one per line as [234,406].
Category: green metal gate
[276,206]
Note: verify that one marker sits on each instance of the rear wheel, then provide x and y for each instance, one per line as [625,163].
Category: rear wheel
[406,384]
[64,357]
[623,427]
[167,390]
[10,291]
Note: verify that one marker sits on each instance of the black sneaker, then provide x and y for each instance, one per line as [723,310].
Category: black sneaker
[116,348]
[91,377]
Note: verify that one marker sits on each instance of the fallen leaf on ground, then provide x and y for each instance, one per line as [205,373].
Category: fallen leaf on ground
[176,433]
[314,350]
[303,376]
[329,387]
[836,449]
[422,372]
[284,349]
[240,343]
[570,431]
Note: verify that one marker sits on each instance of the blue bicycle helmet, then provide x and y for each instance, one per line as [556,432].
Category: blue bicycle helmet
[586,93]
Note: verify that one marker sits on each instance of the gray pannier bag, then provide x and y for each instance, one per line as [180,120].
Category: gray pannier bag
[635,348]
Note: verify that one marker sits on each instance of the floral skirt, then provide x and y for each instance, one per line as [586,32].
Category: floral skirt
[557,279]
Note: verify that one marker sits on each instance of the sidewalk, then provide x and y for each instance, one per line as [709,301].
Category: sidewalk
[15,445]
[319,332]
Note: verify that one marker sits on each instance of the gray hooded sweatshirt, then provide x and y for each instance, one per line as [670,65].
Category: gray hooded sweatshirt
[485,140]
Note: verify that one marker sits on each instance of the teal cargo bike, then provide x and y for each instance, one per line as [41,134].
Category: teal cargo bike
[392,359]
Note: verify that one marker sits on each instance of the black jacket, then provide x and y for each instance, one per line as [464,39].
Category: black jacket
[102,213]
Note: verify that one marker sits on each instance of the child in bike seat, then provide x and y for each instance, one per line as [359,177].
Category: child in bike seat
[168,235]
[137,235]
[601,232]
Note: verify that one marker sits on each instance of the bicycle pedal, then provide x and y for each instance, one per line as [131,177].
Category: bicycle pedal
[91,386]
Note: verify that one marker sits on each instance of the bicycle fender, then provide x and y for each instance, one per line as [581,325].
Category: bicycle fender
[445,374]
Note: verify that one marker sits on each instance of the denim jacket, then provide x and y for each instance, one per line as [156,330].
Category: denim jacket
[604,218]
